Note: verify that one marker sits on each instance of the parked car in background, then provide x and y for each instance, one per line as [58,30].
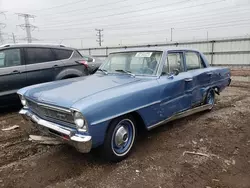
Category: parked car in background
[146,87]
[28,64]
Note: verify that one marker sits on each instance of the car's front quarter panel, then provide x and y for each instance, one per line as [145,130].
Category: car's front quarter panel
[100,108]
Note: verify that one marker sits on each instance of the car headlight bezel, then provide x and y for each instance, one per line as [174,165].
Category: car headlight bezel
[80,121]
[23,100]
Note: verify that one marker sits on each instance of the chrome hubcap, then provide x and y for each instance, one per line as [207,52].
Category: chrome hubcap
[121,136]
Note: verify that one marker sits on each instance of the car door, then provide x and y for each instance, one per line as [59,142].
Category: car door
[63,55]
[175,92]
[12,73]
[41,65]
[201,77]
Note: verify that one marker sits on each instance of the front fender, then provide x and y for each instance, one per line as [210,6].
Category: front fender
[100,114]
[112,103]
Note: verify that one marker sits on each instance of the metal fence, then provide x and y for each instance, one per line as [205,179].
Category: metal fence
[222,52]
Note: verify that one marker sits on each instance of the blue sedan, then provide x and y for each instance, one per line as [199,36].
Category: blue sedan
[140,88]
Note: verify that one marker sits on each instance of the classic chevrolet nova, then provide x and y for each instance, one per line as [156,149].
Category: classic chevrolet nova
[140,88]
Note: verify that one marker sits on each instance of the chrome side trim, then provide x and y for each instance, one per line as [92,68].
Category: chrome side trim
[181,115]
[126,112]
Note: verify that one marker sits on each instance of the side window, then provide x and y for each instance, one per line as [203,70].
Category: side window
[62,53]
[10,58]
[38,55]
[193,61]
[174,61]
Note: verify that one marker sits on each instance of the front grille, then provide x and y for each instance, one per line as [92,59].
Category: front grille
[49,113]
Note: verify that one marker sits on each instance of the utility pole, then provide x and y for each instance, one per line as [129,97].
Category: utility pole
[2,25]
[14,38]
[99,36]
[207,42]
[172,34]
[27,26]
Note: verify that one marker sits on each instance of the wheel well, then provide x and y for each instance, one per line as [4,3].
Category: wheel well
[216,90]
[70,76]
[140,125]
[139,121]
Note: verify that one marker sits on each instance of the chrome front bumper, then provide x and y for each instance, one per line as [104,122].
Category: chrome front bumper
[82,143]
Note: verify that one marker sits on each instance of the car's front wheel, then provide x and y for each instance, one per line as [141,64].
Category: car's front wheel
[120,138]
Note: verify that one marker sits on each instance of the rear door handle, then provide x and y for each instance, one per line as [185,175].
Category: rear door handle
[16,72]
[188,79]
[55,66]
[209,74]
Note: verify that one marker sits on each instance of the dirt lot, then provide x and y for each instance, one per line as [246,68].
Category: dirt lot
[240,72]
[158,160]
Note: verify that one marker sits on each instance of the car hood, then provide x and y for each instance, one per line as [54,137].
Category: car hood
[65,93]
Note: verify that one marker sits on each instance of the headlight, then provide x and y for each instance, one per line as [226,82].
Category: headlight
[80,122]
[23,101]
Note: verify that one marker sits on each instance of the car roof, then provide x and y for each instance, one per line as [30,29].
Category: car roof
[161,49]
[35,45]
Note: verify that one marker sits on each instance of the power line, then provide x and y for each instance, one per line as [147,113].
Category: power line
[163,30]
[27,26]
[99,36]
[58,6]
[162,21]
[139,10]
[158,12]
[87,8]
[187,19]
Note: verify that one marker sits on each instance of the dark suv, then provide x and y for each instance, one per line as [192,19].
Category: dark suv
[27,64]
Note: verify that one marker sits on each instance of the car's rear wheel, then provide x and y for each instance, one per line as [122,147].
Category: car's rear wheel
[210,98]
[120,138]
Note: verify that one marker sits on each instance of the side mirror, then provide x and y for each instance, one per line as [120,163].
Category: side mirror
[163,73]
[176,72]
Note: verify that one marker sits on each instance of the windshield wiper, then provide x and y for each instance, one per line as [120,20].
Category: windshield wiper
[127,72]
[103,70]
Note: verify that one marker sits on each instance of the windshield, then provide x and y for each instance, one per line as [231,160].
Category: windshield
[136,63]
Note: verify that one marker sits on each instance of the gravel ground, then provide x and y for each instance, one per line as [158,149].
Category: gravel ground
[159,159]
[240,71]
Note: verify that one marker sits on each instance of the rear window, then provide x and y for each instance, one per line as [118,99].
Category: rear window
[193,61]
[62,53]
[38,55]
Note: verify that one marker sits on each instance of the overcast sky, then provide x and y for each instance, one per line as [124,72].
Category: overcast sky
[73,22]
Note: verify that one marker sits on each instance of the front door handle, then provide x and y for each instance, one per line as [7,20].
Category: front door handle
[209,74]
[55,66]
[16,72]
[188,79]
